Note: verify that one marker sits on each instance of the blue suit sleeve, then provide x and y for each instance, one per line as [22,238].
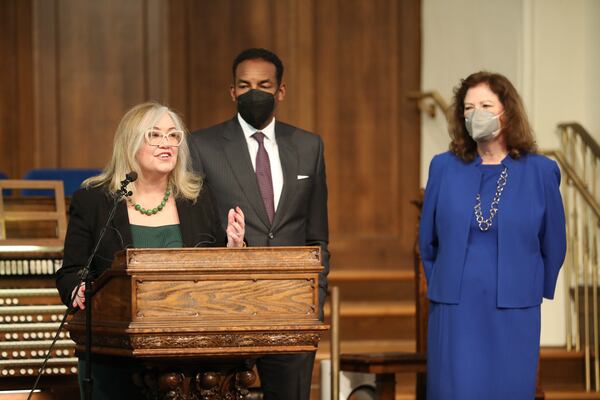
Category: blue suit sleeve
[552,236]
[428,240]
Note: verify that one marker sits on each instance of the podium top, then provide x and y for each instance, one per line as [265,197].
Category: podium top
[272,259]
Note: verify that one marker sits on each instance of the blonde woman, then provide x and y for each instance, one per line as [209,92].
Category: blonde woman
[170,207]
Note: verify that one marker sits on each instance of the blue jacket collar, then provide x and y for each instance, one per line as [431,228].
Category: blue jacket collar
[508,161]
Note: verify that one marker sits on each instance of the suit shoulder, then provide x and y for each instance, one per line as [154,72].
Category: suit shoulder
[547,168]
[441,160]
[298,132]
[90,198]
[211,131]
[545,164]
[91,194]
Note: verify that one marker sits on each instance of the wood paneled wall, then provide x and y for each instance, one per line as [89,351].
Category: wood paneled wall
[70,69]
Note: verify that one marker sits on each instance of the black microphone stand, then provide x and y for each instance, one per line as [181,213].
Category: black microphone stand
[86,276]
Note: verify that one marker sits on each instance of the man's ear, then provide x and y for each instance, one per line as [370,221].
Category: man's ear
[232,92]
[280,95]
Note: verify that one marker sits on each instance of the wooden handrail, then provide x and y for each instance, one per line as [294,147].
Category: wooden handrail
[579,184]
[430,109]
[584,135]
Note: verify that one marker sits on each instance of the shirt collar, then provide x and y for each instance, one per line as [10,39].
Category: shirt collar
[249,130]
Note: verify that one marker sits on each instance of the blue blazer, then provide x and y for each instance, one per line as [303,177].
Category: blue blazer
[531,228]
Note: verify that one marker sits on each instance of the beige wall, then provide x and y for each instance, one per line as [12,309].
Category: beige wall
[549,50]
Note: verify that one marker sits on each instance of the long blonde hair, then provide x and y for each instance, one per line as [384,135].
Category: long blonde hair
[128,139]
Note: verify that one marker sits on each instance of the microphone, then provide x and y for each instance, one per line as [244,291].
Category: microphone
[130,177]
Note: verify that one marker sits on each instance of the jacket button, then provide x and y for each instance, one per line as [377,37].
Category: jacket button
[271,236]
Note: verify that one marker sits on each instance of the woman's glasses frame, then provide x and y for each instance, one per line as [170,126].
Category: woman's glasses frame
[156,138]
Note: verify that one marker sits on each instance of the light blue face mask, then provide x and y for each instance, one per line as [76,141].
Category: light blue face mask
[482,125]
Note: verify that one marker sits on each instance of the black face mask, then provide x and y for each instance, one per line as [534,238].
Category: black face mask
[256,106]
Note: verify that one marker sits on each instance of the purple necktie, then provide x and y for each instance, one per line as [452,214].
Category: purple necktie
[263,175]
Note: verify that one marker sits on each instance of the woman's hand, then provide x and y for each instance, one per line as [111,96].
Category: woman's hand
[236,228]
[79,298]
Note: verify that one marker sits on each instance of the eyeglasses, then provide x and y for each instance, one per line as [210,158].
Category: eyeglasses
[172,138]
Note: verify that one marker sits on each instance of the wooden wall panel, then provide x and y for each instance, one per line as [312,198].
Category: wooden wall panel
[366,67]
[15,86]
[213,33]
[101,72]
[8,86]
[349,65]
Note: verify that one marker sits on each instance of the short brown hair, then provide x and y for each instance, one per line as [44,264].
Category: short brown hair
[515,126]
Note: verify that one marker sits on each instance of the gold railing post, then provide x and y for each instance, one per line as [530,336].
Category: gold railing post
[335,343]
[595,313]
[586,310]
[568,270]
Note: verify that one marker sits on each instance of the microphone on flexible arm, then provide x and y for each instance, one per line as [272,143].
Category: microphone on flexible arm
[129,177]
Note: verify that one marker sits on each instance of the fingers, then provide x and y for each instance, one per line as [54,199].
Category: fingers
[236,226]
[79,298]
[240,213]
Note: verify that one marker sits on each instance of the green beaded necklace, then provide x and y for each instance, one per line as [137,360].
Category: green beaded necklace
[156,209]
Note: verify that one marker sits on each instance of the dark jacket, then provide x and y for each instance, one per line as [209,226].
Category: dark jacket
[199,223]
[221,155]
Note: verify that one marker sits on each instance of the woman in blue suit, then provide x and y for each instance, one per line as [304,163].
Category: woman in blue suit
[492,240]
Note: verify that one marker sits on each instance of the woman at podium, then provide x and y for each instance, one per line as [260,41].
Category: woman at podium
[169,207]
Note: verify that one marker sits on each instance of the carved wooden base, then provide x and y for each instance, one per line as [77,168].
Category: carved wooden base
[218,382]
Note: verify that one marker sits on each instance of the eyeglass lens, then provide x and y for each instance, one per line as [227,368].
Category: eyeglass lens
[156,138]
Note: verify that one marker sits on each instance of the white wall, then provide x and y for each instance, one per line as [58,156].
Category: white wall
[592,67]
[461,37]
[549,50]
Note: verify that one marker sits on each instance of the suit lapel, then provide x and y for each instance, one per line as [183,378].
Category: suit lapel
[289,164]
[238,157]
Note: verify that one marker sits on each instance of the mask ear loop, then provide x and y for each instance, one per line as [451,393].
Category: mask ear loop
[497,132]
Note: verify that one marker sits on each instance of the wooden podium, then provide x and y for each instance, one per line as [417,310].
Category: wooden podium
[197,317]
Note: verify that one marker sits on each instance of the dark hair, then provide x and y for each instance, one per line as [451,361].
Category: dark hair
[515,126]
[259,54]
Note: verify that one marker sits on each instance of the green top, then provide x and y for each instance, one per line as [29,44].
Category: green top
[156,236]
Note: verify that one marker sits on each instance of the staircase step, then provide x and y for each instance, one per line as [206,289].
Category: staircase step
[374,308]
[562,370]
[371,275]
[366,346]
[374,285]
[570,395]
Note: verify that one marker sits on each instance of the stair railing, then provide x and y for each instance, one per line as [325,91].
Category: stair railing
[579,160]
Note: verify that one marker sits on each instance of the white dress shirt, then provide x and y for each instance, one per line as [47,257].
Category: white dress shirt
[270,143]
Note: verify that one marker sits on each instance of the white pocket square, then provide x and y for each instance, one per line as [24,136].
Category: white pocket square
[302,177]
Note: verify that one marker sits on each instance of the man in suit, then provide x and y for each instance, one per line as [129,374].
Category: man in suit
[276,173]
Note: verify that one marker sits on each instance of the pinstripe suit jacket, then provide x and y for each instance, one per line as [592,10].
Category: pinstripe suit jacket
[220,154]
